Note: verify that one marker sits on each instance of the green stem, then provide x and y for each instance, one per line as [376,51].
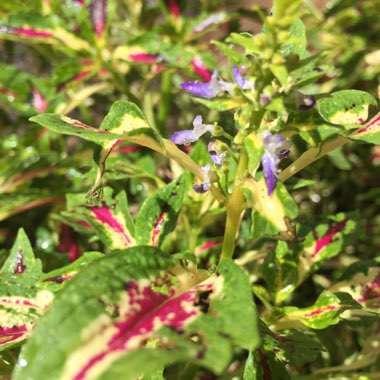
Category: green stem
[148,109]
[234,209]
[312,155]
[164,106]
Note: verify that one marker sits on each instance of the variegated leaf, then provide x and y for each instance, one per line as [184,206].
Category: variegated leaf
[158,214]
[325,312]
[271,214]
[21,302]
[123,121]
[135,311]
[21,258]
[362,281]
[325,242]
[346,107]
[111,219]
[370,132]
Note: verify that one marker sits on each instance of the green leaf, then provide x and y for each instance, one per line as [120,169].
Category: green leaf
[271,215]
[346,107]
[263,365]
[120,328]
[222,103]
[122,121]
[21,258]
[280,272]
[324,242]
[247,41]
[255,150]
[233,55]
[296,42]
[280,72]
[370,132]
[158,214]
[325,312]
[21,301]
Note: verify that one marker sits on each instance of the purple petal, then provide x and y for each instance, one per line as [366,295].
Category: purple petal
[217,157]
[307,103]
[202,90]
[276,145]
[270,167]
[185,137]
[202,188]
[240,80]
[98,15]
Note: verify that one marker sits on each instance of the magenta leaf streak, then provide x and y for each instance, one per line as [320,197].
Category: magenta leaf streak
[108,219]
[146,312]
[322,310]
[328,238]
[374,124]
[157,228]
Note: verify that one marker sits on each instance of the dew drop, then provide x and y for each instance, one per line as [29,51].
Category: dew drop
[22,363]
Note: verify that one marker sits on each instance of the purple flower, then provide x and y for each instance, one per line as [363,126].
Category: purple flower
[304,102]
[217,156]
[242,82]
[276,148]
[205,185]
[189,136]
[207,90]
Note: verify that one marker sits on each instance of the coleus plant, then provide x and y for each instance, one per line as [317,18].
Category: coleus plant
[157,293]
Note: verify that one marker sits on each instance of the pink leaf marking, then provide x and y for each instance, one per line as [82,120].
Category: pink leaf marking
[158,68]
[374,124]
[39,102]
[20,266]
[31,33]
[208,245]
[81,75]
[18,301]
[328,238]
[267,373]
[9,334]
[148,311]
[173,8]
[60,279]
[105,216]
[7,92]
[158,227]
[200,68]
[144,57]
[77,123]
[371,290]
[321,310]
[67,243]
[124,149]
